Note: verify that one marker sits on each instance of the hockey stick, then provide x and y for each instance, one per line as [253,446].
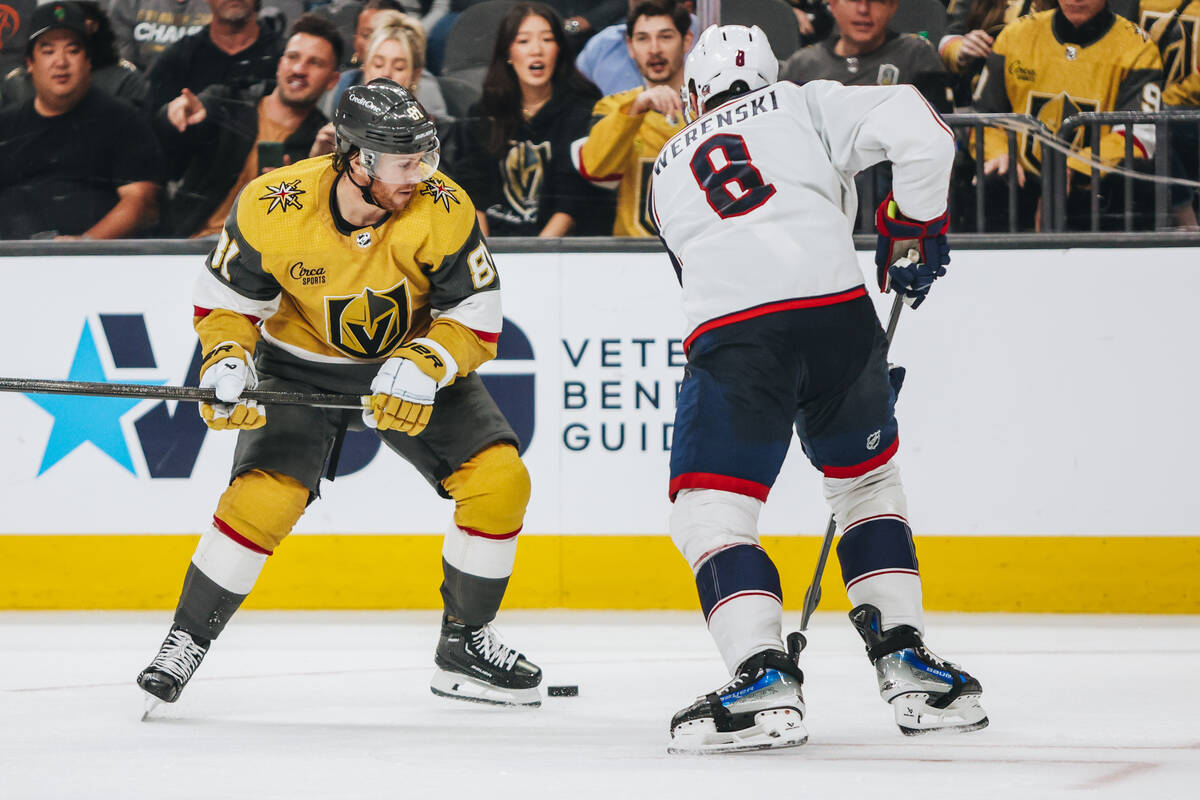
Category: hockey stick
[187,393]
[812,597]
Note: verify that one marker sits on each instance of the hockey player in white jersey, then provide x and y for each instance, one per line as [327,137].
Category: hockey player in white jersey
[755,201]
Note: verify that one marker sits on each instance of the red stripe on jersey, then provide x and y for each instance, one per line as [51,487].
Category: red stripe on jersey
[1137,145]
[616,176]
[772,308]
[197,311]
[709,480]
[495,536]
[237,537]
[936,115]
[866,466]
[487,336]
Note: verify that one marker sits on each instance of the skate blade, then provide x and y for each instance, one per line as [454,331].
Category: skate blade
[915,717]
[150,704]
[773,729]
[456,686]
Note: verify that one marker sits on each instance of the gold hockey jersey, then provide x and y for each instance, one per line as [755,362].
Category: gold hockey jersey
[1032,71]
[1175,28]
[619,152]
[326,293]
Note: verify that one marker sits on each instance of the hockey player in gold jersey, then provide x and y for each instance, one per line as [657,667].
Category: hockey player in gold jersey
[363,273]
[630,127]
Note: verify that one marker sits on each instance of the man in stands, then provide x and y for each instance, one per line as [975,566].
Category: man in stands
[607,62]
[214,139]
[145,28]
[232,50]
[74,162]
[1051,65]
[630,127]
[867,53]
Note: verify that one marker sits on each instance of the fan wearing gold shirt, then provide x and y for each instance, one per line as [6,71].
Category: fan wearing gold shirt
[630,127]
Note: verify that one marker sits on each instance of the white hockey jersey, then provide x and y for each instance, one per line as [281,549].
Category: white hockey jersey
[756,200]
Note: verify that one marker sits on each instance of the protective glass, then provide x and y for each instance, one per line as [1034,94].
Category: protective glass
[400,168]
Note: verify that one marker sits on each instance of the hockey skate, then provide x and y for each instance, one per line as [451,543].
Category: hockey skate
[474,665]
[762,708]
[172,668]
[927,693]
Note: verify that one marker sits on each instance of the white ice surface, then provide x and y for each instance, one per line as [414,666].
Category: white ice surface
[337,705]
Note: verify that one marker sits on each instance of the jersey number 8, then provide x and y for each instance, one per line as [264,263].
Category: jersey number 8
[731,182]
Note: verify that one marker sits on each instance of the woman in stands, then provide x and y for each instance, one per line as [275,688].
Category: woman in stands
[514,151]
[395,49]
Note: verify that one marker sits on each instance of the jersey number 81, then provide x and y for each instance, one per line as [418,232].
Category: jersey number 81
[731,182]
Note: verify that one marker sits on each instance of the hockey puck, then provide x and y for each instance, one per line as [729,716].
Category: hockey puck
[562,691]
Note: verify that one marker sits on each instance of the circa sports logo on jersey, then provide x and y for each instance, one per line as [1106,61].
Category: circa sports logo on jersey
[439,191]
[369,324]
[283,195]
[308,276]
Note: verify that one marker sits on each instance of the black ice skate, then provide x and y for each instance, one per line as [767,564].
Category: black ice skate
[172,668]
[927,693]
[761,708]
[473,664]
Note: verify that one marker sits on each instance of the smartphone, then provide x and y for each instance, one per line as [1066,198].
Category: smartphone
[270,155]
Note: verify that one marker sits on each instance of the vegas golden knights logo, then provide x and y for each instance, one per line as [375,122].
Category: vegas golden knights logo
[1051,110]
[370,324]
[525,177]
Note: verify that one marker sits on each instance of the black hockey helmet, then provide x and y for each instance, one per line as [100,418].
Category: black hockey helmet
[383,118]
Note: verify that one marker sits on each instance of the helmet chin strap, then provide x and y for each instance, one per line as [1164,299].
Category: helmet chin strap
[365,190]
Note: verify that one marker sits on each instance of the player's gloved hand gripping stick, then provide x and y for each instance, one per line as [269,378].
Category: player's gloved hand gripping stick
[896,268]
[910,273]
[229,370]
[403,390]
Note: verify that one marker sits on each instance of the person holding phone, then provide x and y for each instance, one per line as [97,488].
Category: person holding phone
[218,141]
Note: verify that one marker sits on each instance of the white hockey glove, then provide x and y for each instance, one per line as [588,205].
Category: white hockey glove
[403,390]
[228,370]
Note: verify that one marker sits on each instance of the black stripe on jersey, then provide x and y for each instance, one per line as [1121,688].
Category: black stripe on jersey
[241,262]
[453,280]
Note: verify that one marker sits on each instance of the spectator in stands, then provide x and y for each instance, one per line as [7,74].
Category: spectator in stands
[516,148]
[867,53]
[583,18]
[111,74]
[631,127]
[232,50]
[215,141]
[1050,65]
[397,53]
[364,26]
[606,61]
[813,19]
[74,162]
[1174,26]
[144,28]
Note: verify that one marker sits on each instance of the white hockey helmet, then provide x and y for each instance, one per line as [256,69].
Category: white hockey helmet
[724,56]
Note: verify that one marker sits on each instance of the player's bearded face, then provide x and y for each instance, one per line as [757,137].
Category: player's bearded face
[392,197]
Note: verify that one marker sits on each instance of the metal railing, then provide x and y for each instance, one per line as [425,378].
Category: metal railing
[1053,175]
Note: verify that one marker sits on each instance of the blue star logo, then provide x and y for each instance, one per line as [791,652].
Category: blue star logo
[79,419]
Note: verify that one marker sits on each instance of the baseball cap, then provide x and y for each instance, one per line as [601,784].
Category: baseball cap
[49,16]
